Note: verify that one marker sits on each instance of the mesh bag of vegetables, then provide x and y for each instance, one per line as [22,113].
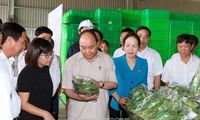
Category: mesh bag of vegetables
[167,103]
[85,85]
[194,86]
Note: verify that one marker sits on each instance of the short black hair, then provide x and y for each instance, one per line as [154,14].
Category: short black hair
[36,48]
[144,28]
[184,38]
[11,29]
[100,33]
[106,42]
[43,29]
[195,39]
[127,30]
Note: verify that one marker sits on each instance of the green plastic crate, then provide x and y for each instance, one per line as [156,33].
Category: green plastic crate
[107,17]
[159,44]
[164,54]
[160,35]
[177,16]
[71,32]
[131,14]
[64,49]
[111,33]
[113,47]
[195,26]
[173,34]
[74,16]
[155,14]
[156,24]
[192,17]
[181,25]
[196,33]
[131,23]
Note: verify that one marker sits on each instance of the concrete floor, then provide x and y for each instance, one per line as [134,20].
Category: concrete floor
[62,112]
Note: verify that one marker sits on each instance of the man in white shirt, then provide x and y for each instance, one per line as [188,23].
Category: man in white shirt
[119,52]
[13,40]
[182,66]
[155,66]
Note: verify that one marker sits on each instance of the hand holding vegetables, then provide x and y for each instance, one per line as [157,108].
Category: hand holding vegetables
[88,97]
[85,85]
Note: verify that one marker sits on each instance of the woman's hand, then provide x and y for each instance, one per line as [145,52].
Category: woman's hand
[122,101]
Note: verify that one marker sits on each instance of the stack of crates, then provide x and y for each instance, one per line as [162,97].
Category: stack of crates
[196,31]
[131,18]
[158,22]
[70,23]
[109,22]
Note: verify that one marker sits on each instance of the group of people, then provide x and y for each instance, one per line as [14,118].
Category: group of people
[30,78]
[32,93]
[132,64]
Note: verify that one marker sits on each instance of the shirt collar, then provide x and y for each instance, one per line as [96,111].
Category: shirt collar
[80,55]
[191,58]
[3,57]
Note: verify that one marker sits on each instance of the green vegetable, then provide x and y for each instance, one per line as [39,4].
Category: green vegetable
[195,83]
[85,85]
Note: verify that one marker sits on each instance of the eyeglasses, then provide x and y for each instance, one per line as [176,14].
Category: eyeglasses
[48,55]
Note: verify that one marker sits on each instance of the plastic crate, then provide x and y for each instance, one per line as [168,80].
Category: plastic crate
[64,49]
[177,16]
[155,14]
[164,54]
[181,25]
[173,34]
[195,26]
[192,17]
[197,52]
[160,35]
[156,24]
[131,14]
[159,44]
[196,33]
[74,16]
[107,17]
[113,47]
[70,32]
[131,23]
[111,33]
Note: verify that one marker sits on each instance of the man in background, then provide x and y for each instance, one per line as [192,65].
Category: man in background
[74,48]
[155,66]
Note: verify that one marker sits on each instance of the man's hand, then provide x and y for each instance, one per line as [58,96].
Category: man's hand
[88,97]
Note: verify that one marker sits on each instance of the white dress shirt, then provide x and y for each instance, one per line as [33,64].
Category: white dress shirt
[177,72]
[155,66]
[10,103]
[119,52]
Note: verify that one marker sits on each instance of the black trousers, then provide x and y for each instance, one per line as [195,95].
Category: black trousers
[115,115]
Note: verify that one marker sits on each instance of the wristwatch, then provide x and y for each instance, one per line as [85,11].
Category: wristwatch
[102,85]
